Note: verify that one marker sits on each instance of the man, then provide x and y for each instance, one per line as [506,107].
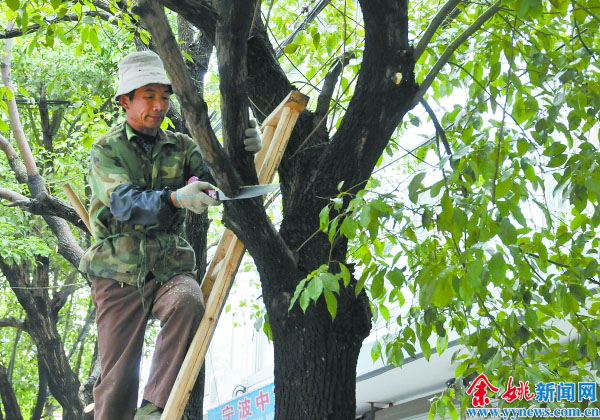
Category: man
[140,266]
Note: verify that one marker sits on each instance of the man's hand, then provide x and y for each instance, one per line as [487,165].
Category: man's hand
[252,140]
[192,197]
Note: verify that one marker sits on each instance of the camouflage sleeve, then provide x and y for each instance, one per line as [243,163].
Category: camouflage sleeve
[107,172]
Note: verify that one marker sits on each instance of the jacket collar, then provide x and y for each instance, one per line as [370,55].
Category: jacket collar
[161,136]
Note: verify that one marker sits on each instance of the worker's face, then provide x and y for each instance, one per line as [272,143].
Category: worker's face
[147,110]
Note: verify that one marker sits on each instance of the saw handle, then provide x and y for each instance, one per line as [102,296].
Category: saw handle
[211,193]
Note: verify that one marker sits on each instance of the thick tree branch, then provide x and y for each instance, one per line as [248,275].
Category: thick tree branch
[231,43]
[199,13]
[102,5]
[17,280]
[194,108]
[12,322]
[329,85]
[13,112]
[443,60]
[43,205]
[63,294]
[435,23]
[13,196]
[7,148]
[15,163]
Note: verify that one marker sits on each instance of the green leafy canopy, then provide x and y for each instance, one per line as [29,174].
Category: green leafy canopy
[497,243]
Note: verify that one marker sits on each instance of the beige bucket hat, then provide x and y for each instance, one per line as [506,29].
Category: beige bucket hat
[139,69]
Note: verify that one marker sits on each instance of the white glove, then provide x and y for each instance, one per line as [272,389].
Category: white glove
[192,197]
[252,140]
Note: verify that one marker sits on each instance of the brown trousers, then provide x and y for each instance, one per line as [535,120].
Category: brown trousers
[121,319]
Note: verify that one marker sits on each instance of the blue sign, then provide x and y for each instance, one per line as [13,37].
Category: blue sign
[257,405]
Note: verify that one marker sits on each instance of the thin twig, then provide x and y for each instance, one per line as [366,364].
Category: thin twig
[435,23]
[579,34]
[443,60]
[511,343]
[588,11]
[501,133]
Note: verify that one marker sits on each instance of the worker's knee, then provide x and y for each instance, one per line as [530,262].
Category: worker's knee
[185,296]
[191,302]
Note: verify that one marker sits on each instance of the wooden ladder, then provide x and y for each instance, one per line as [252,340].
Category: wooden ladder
[220,273]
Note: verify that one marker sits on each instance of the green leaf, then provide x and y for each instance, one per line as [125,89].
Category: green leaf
[497,267]
[332,303]
[443,292]
[530,318]
[299,289]
[436,188]
[366,215]
[377,285]
[316,39]
[452,410]
[290,48]
[396,277]
[304,300]
[331,282]
[348,227]
[93,37]
[375,350]
[414,186]
[425,347]
[315,288]
[345,274]
[324,219]
[385,312]
[507,232]
[592,348]
[13,4]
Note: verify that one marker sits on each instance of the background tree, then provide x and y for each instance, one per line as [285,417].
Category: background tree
[467,258]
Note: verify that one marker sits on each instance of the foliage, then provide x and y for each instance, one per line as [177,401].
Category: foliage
[79,83]
[497,243]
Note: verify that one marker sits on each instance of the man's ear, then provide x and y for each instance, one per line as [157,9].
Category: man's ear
[124,101]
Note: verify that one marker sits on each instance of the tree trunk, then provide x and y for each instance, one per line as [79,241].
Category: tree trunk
[63,383]
[41,326]
[315,357]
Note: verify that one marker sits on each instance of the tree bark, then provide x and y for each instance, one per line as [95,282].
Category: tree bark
[9,399]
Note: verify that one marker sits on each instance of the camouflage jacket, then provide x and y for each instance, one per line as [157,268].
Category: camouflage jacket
[129,252]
